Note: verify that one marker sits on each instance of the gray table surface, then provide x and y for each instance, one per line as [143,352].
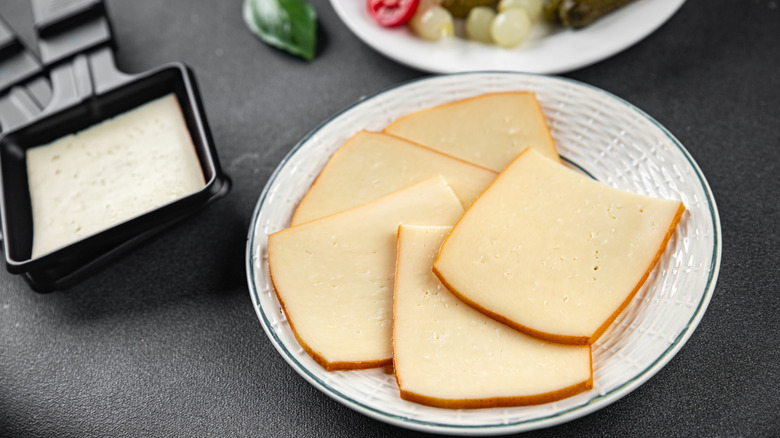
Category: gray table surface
[165,341]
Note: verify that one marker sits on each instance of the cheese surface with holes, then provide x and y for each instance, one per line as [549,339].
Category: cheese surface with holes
[334,276]
[554,253]
[84,183]
[489,130]
[371,165]
[447,354]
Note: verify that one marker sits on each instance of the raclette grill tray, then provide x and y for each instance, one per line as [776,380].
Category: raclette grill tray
[86,88]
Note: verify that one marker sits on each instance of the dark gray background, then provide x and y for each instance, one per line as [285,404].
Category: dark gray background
[166,342]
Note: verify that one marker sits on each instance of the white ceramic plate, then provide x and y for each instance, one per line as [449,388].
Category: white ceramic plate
[549,49]
[595,132]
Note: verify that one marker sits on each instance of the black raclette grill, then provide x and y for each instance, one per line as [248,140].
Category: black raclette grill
[87,89]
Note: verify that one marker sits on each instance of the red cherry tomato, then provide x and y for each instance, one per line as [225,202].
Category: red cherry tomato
[389,13]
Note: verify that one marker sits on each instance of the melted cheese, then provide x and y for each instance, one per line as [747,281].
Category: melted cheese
[489,130]
[554,253]
[334,276]
[447,354]
[371,165]
[84,183]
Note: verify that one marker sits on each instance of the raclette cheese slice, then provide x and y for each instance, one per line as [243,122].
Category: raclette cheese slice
[121,168]
[489,130]
[334,276]
[448,355]
[554,253]
[371,165]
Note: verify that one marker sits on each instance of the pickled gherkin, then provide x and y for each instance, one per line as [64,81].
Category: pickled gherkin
[550,10]
[579,13]
[461,8]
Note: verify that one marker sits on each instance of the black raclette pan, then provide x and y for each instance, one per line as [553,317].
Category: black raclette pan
[88,89]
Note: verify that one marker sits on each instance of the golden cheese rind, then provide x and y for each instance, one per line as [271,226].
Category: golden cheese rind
[489,130]
[371,165]
[334,276]
[553,253]
[448,355]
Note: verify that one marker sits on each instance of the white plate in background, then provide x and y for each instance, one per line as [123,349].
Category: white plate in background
[549,48]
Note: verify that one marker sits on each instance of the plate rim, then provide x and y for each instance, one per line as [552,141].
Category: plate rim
[600,400]
[355,27]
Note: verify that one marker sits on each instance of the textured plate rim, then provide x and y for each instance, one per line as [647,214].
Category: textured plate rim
[599,401]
